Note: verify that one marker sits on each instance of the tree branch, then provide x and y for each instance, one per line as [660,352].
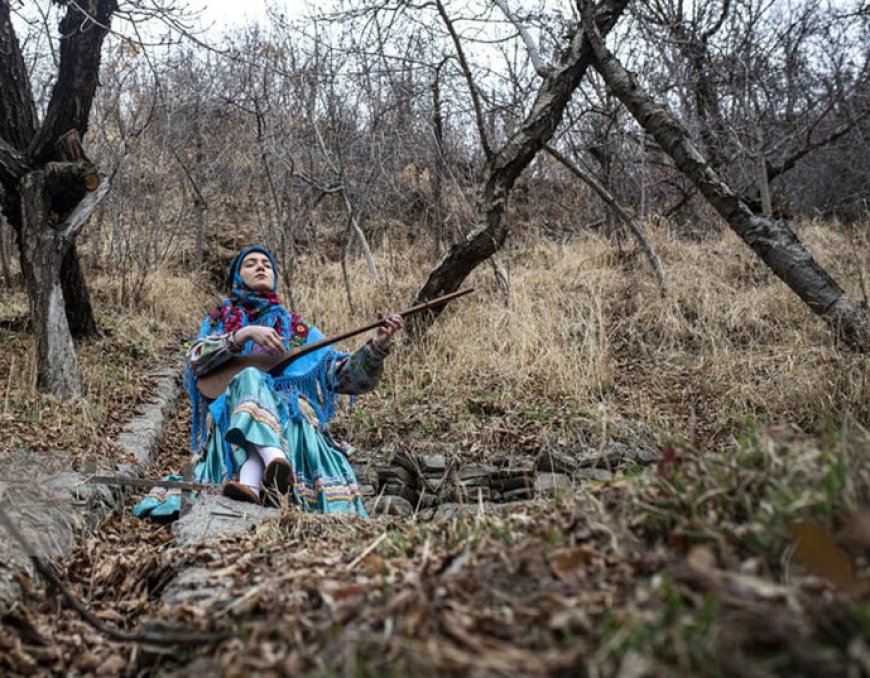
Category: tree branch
[709,33]
[17,110]
[774,171]
[76,219]
[627,219]
[78,73]
[466,72]
[541,68]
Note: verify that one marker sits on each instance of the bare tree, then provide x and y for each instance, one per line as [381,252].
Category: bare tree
[50,187]
[771,240]
[503,165]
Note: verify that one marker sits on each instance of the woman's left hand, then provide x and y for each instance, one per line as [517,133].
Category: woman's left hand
[385,332]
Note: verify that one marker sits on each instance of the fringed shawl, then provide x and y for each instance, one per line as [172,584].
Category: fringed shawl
[308,376]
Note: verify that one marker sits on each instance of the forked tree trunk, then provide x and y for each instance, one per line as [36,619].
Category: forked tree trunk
[48,187]
[770,239]
[504,165]
[42,250]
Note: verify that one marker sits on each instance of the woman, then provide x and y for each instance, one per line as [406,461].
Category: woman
[267,436]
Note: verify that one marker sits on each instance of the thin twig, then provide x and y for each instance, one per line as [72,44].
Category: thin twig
[368,549]
[46,569]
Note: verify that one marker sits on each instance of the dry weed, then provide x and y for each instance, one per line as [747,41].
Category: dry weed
[587,328]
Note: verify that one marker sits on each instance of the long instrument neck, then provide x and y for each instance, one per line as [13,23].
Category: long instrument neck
[290,356]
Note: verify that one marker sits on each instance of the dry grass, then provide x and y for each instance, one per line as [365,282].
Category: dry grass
[585,343]
[589,332]
[690,567]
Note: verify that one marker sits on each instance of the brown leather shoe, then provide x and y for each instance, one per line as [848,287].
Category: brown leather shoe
[278,476]
[233,489]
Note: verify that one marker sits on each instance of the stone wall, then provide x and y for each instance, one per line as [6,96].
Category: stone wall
[399,482]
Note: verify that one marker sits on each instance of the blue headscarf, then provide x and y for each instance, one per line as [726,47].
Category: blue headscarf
[307,376]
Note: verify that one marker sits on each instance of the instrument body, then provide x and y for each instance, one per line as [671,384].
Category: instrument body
[215,382]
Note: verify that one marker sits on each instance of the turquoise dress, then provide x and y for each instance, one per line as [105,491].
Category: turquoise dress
[257,409]
[291,413]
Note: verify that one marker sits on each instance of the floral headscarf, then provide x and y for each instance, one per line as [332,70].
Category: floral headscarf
[306,376]
[246,306]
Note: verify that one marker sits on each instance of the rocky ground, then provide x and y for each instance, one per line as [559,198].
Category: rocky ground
[615,559]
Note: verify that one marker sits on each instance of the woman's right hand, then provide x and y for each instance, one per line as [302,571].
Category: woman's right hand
[265,337]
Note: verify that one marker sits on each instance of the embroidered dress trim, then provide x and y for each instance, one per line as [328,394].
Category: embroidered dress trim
[259,412]
[329,489]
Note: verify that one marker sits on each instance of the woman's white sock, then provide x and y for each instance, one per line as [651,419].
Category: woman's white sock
[267,454]
[251,473]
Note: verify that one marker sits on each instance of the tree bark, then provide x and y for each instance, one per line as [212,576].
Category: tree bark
[42,252]
[17,110]
[77,78]
[436,165]
[773,241]
[77,299]
[507,163]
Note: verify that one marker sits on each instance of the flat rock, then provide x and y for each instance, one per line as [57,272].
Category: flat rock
[387,473]
[367,490]
[480,473]
[517,494]
[466,492]
[452,510]
[551,461]
[433,483]
[392,505]
[399,489]
[595,474]
[213,517]
[646,456]
[366,474]
[551,484]
[515,479]
[427,500]
[195,585]
[432,463]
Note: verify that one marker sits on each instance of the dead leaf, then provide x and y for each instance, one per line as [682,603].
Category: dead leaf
[112,666]
[816,550]
[566,562]
[701,557]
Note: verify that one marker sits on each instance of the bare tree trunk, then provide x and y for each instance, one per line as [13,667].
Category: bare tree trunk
[773,241]
[4,252]
[43,248]
[199,204]
[436,171]
[763,183]
[77,299]
[506,164]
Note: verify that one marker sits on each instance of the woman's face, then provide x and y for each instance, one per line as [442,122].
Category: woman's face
[256,271]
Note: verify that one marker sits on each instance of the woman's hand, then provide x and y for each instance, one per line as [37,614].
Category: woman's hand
[385,332]
[265,337]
